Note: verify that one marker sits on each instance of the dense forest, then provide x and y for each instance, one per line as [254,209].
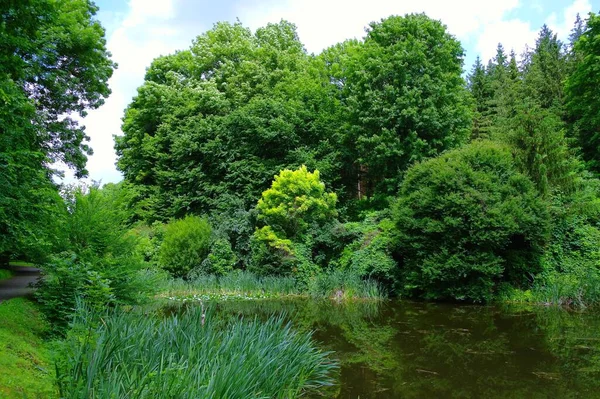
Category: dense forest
[379,158]
[380,167]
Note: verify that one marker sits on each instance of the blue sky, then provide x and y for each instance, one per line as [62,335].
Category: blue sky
[137,31]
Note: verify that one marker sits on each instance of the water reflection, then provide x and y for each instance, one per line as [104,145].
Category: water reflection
[419,350]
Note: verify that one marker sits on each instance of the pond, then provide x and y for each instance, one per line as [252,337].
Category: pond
[424,350]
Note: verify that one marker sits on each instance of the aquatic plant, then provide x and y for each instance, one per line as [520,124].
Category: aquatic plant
[190,355]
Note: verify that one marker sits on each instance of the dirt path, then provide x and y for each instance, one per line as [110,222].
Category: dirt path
[18,285]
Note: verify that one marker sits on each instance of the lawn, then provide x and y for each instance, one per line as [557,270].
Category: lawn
[26,368]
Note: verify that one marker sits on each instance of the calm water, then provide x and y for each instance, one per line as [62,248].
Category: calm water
[418,350]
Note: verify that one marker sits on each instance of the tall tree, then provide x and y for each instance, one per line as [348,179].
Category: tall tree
[545,71]
[406,98]
[53,64]
[583,101]
[211,126]
[478,83]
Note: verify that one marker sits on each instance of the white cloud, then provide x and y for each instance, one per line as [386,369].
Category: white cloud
[146,31]
[322,23]
[562,26]
[513,34]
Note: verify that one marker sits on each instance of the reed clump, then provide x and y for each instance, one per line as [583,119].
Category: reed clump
[194,354]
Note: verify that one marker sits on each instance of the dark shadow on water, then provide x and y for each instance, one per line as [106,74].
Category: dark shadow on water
[424,350]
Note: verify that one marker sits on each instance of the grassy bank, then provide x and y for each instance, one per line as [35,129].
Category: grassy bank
[246,285]
[5,274]
[569,290]
[26,369]
[191,355]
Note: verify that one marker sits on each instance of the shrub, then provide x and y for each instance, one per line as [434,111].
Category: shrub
[185,245]
[370,253]
[295,200]
[468,220]
[100,262]
[294,213]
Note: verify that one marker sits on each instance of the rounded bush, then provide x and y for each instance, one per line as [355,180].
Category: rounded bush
[185,245]
[468,220]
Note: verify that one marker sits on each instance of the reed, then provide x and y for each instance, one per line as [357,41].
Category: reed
[340,285]
[190,355]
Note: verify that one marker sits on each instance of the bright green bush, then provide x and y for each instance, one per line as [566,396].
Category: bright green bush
[295,200]
[185,245]
[468,220]
[294,212]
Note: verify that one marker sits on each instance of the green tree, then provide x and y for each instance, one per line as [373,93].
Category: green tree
[545,71]
[583,103]
[478,83]
[467,221]
[212,125]
[55,52]
[295,200]
[53,64]
[406,98]
[292,213]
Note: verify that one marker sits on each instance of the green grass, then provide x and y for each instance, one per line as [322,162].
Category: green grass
[4,274]
[20,263]
[570,290]
[247,286]
[190,355]
[26,369]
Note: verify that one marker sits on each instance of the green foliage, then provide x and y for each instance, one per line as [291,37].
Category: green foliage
[185,245]
[235,359]
[55,52]
[100,261]
[293,211]
[541,149]
[406,98]
[370,252]
[583,104]
[571,273]
[220,260]
[212,125]
[468,220]
[295,200]
[343,285]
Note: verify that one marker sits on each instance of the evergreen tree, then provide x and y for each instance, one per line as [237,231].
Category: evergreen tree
[583,101]
[480,88]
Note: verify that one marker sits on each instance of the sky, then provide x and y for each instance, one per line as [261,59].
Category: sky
[137,31]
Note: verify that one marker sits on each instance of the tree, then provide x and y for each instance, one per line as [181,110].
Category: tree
[583,102]
[541,149]
[467,221]
[185,245]
[545,72]
[406,98]
[292,213]
[55,52]
[53,63]
[212,125]
[295,200]
[479,85]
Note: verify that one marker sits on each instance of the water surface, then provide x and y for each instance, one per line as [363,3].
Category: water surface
[423,350]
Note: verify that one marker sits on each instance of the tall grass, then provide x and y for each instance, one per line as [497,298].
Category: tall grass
[191,355]
[343,284]
[236,284]
[242,284]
